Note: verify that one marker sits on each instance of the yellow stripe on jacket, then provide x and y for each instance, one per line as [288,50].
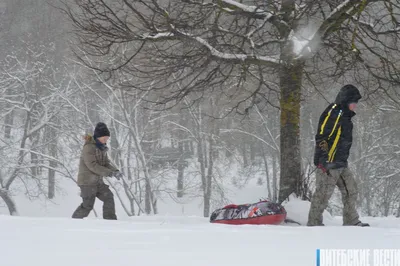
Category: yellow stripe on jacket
[332,151]
[336,122]
[326,120]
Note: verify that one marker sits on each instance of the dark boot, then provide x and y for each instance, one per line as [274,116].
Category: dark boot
[362,224]
[315,224]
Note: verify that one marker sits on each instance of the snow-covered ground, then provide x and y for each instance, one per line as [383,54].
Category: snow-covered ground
[68,199]
[181,240]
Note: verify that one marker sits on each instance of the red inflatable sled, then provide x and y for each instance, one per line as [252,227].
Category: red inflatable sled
[263,212]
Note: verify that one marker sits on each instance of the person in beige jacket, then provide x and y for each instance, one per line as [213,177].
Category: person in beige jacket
[93,166]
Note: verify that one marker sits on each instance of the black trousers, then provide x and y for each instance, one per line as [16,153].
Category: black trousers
[89,194]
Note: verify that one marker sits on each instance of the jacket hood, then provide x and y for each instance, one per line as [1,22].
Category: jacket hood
[89,139]
[348,94]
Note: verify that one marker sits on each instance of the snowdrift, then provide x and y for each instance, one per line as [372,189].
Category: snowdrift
[298,209]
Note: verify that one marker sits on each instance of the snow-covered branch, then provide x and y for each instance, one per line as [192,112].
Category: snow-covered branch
[370,27]
[238,57]
[234,7]
[253,11]
[334,19]
[234,58]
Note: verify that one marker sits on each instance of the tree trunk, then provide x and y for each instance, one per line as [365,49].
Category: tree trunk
[182,158]
[147,199]
[291,176]
[252,152]
[34,157]
[201,150]
[205,153]
[186,148]
[367,196]
[8,123]
[274,178]
[12,208]
[386,198]
[129,173]
[114,144]
[207,194]
[52,180]
[180,179]
[128,159]
[202,164]
[132,206]
[267,174]
[244,153]
[154,203]
[191,148]
[53,153]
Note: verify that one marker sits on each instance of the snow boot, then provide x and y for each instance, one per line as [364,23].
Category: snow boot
[361,224]
[308,224]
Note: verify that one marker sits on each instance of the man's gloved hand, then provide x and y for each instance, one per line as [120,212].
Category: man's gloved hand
[326,167]
[117,174]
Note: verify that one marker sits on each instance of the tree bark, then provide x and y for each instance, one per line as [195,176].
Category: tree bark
[290,84]
[34,139]
[8,123]
[114,144]
[244,153]
[274,178]
[267,174]
[53,153]
[205,153]
[207,194]
[367,196]
[180,180]
[52,180]
[147,199]
[252,152]
[386,198]
[154,203]
[182,158]
[202,164]
[12,208]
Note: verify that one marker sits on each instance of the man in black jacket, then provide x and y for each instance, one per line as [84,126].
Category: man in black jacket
[333,142]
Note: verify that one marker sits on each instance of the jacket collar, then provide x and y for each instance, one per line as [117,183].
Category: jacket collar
[101,146]
[89,139]
[346,111]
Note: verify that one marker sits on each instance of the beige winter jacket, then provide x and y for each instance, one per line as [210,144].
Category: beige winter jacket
[94,164]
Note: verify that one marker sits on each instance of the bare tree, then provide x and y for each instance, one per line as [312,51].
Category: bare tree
[158,69]
[208,43]
[376,161]
[30,87]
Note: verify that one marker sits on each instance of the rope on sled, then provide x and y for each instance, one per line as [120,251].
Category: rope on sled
[287,220]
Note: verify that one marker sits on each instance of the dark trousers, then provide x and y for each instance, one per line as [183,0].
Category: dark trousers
[89,194]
